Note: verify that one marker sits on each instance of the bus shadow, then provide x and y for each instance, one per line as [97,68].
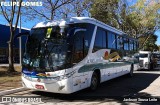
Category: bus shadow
[113,90]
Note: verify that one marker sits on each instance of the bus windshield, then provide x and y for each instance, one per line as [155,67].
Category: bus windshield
[143,55]
[46,48]
[50,49]
[156,56]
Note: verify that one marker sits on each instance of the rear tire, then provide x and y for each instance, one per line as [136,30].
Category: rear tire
[130,74]
[94,82]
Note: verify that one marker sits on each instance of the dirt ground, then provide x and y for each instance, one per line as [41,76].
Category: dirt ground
[10,80]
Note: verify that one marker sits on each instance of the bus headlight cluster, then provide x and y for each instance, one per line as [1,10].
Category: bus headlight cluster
[26,61]
[58,78]
[26,77]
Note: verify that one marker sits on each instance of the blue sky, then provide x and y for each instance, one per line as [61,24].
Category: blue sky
[158,34]
[25,23]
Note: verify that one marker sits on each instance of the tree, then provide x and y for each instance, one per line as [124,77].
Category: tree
[147,10]
[48,10]
[11,14]
[158,48]
[57,9]
[149,44]
[80,6]
[136,20]
[105,11]
[75,8]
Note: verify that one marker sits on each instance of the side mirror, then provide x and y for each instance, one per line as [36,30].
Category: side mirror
[22,34]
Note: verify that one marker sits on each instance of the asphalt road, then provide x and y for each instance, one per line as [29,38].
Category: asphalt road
[111,92]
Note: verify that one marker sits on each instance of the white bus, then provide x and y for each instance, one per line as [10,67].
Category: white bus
[69,55]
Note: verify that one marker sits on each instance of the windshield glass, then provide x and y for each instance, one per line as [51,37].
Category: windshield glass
[156,56]
[143,55]
[46,49]
[50,48]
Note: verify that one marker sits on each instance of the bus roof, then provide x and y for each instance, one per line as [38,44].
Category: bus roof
[79,20]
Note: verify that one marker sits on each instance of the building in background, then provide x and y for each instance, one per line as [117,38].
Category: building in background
[4,38]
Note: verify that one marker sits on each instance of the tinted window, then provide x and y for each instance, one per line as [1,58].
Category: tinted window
[156,56]
[119,42]
[126,44]
[79,47]
[143,55]
[100,39]
[135,45]
[81,35]
[111,40]
[89,33]
[131,45]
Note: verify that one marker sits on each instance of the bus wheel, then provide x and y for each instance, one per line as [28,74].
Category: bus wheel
[150,66]
[94,81]
[130,74]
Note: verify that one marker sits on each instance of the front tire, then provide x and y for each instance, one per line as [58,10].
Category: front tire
[94,82]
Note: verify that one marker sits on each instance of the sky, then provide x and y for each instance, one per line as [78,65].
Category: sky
[25,23]
[158,34]
[30,23]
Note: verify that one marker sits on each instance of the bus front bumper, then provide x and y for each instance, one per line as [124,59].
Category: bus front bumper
[42,84]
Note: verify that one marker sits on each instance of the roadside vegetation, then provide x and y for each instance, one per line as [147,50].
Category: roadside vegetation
[138,19]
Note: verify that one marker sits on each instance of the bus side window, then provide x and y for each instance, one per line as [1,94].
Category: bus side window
[126,43]
[131,45]
[79,47]
[111,40]
[100,40]
[119,42]
[135,46]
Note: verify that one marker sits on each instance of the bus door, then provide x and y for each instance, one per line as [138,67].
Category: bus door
[79,53]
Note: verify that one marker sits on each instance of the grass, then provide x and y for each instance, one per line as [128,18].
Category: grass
[10,79]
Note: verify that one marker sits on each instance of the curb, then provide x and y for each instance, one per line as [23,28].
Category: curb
[5,92]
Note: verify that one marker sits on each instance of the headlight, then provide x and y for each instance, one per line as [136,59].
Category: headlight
[26,61]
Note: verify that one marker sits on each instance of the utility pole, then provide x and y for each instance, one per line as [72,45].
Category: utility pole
[20,42]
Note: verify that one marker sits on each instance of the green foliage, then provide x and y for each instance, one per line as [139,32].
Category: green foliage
[137,20]
[159,48]
[104,10]
[149,45]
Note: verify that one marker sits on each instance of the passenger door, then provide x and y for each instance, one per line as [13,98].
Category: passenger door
[79,53]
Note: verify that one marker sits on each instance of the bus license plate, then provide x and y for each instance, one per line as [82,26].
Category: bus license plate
[39,87]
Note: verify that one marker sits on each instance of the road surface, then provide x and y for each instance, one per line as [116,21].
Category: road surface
[112,92]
